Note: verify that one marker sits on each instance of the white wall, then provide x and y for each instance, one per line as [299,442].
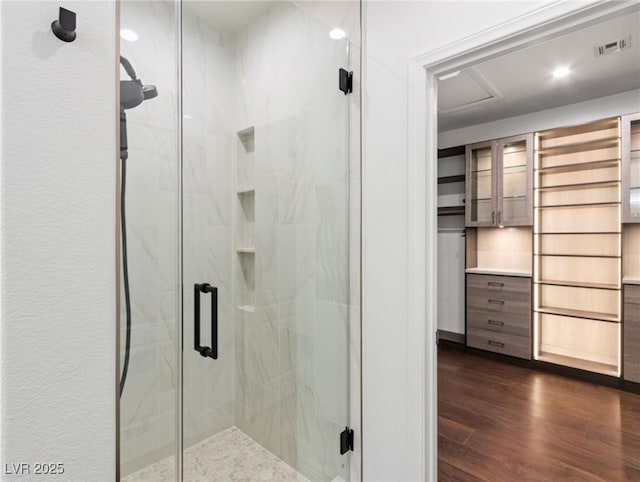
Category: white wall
[393,33]
[57,194]
[573,114]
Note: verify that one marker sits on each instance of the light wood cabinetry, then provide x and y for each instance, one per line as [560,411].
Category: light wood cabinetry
[499,314]
[577,247]
[631,168]
[499,182]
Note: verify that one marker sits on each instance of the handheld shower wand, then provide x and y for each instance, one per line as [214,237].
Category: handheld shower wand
[132,94]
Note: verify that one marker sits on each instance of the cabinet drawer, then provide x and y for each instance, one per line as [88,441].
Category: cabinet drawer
[513,323]
[632,346]
[507,344]
[496,301]
[632,294]
[632,313]
[499,283]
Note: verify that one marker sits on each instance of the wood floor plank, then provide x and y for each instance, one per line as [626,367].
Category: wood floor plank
[503,422]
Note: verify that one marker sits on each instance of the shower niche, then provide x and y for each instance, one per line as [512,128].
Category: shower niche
[245,220]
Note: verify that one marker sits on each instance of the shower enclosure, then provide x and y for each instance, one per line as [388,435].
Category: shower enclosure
[242,220]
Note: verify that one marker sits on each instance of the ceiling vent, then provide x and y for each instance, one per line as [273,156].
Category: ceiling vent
[612,47]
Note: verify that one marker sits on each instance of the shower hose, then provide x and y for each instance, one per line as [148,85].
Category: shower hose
[125,273]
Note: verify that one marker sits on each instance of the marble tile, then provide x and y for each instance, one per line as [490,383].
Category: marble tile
[332,262]
[297,355]
[301,455]
[262,361]
[220,380]
[194,425]
[333,465]
[219,176]
[263,426]
[221,418]
[332,362]
[167,367]
[297,407]
[219,267]
[194,169]
[297,277]
[267,241]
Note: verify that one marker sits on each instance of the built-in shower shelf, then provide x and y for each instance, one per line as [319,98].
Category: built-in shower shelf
[245,242]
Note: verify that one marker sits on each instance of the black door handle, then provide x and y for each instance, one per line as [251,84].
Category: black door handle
[212,351]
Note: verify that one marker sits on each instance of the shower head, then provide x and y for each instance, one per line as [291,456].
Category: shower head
[149,91]
[132,92]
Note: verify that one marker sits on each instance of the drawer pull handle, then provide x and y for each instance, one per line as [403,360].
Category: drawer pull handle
[497,323]
[496,343]
[495,283]
[496,302]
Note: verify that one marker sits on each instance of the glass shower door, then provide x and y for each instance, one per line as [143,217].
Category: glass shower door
[266,262]
[148,409]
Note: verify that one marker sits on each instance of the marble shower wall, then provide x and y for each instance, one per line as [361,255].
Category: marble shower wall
[282,374]
[208,223]
[147,407]
[291,354]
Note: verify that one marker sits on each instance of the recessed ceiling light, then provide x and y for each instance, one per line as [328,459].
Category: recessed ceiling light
[128,34]
[449,76]
[337,34]
[561,72]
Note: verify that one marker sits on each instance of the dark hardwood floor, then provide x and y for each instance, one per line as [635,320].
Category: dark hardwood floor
[502,422]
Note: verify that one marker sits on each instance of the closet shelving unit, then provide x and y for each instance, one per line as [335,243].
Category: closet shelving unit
[631,245]
[577,247]
[451,180]
[245,221]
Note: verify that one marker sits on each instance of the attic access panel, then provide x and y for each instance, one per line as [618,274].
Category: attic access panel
[463,90]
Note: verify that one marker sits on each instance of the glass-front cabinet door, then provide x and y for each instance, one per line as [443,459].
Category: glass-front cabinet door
[481,195]
[516,181]
[631,168]
[499,189]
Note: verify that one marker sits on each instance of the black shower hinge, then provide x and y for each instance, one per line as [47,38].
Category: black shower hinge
[345,81]
[346,441]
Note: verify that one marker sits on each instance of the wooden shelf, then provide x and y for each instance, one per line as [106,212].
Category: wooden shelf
[589,315]
[580,146]
[449,179]
[578,284]
[578,205]
[580,166]
[592,127]
[582,185]
[578,363]
[450,210]
[499,272]
[563,255]
[584,233]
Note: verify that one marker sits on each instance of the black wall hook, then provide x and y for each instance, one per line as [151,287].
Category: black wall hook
[65,27]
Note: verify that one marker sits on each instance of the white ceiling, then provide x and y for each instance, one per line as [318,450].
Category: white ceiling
[523,82]
[227,15]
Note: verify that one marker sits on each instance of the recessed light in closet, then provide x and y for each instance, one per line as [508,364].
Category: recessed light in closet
[561,72]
